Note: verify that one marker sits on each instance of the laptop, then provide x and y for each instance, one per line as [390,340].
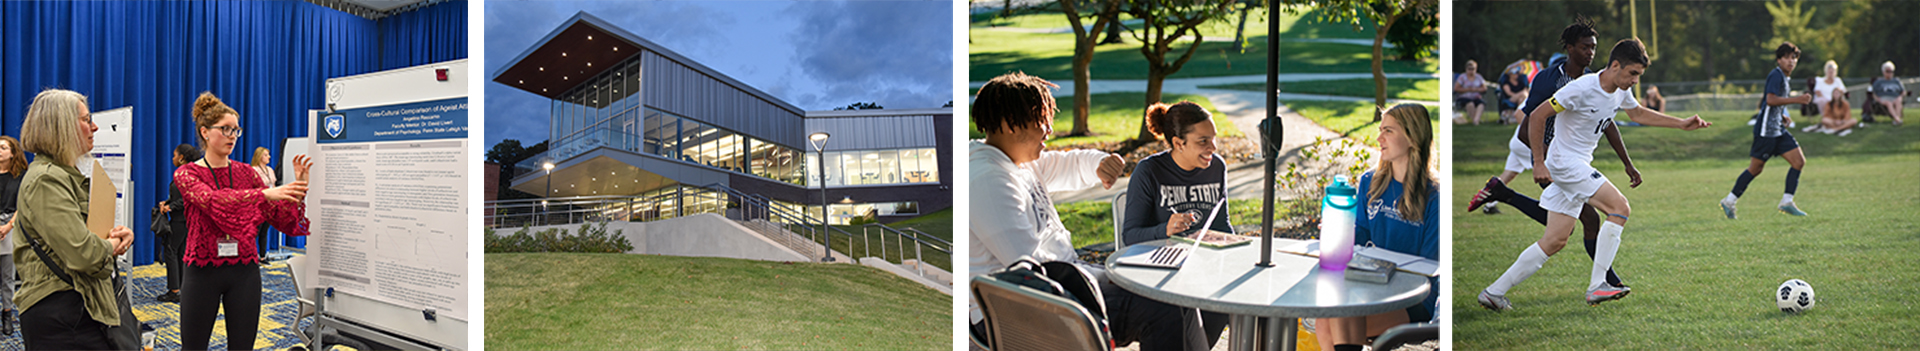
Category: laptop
[1170,256]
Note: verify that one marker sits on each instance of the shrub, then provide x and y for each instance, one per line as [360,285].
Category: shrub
[591,239]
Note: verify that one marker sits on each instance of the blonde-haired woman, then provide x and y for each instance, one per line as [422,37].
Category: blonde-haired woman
[262,164]
[1824,90]
[1401,214]
[13,164]
[224,205]
[56,314]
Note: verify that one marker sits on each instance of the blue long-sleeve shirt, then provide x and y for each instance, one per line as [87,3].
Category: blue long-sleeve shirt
[1381,223]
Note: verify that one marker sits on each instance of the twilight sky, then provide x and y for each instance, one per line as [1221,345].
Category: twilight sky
[817,55]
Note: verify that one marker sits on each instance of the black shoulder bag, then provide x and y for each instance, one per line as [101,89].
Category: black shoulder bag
[126,336]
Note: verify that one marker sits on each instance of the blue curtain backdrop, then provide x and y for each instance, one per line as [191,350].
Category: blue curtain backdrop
[268,59]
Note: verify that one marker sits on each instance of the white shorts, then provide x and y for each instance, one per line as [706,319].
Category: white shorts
[1571,189]
[1519,156]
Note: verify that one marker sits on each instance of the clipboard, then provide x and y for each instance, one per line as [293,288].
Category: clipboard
[100,202]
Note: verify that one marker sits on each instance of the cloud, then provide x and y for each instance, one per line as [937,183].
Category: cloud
[894,53]
[815,55]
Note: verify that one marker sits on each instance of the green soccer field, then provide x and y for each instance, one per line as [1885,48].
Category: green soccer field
[1702,281]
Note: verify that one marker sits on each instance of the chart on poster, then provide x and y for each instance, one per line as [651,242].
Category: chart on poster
[387,200]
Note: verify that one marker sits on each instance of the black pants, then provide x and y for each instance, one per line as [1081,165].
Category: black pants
[176,246]
[60,322]
[1159,325]
[207,288]
[262,242]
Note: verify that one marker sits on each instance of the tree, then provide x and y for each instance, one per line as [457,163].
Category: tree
[506,154]
[1383,14]
[1167,22]
[1103,12]
[859,106]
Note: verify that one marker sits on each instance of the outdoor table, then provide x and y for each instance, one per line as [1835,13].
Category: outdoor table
[1228,281]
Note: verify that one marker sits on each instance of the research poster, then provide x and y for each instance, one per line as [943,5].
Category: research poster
[111,145]
[387,203]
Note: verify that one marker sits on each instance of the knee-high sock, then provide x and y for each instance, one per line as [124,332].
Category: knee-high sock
[1740,185]
[1793,180]
[1603,258]
[1528,206]
[1529,262]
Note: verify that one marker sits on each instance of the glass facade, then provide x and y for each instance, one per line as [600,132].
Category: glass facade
[605,112]
[841,214]
[876,167]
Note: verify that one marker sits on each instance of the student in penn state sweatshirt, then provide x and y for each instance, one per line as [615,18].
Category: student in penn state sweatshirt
[1173,191]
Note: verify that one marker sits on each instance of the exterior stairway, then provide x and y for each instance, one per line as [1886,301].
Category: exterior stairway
[799,243]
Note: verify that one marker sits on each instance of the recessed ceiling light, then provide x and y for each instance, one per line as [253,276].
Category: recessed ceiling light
[563,54]
[523,81]
[543,90]
[563,77]
[543,69]
[589,64]
[589,37]
[616,48]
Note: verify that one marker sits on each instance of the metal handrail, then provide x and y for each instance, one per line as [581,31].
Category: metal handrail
[752,206]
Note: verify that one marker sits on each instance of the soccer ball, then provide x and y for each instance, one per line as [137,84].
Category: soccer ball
[1795,296]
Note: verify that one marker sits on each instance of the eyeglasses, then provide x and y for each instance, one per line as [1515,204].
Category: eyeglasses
[230,132]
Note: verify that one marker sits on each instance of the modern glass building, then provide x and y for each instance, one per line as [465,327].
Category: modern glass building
[630,118]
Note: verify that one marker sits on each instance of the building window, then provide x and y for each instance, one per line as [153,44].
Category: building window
[876,167]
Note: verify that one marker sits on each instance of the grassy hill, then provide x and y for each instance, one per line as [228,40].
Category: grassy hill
[612,301]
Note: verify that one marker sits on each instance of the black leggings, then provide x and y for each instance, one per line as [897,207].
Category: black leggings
[60,322]
[206,289]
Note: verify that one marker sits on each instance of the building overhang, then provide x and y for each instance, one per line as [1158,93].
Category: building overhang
[559,62]
[578,50]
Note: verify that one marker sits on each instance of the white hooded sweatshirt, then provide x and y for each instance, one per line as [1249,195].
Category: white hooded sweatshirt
[1009,212]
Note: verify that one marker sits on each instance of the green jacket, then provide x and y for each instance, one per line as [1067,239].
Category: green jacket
[53,203]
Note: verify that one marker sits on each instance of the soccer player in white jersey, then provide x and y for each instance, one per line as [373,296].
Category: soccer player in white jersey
[1584,108]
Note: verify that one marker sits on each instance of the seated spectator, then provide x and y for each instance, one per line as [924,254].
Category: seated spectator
[1839,116]
[1467,87]
[1515,89]
[1884,96]
[1654,101]
[1825,88]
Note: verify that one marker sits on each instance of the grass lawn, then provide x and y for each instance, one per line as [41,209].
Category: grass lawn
[993,52]
[1397,88]
[939,223]
[1702,281]
[611,301]
[1353,119]
[1115,117]
[875,242]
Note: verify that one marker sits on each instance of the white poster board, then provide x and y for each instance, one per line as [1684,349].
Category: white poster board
[112,146]
[388,200]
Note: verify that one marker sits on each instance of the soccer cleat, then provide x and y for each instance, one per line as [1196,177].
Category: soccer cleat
[1480,198]
[1494,302]
[1845,132]
[1605,293]
[1492,208]
[1789,208]
[1728,207]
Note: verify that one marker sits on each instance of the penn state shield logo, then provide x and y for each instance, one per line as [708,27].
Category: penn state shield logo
[335,124]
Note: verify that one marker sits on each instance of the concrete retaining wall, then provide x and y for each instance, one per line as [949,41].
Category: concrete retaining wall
[701,235]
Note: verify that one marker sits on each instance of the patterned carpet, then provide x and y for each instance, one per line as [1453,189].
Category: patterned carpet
[276,312]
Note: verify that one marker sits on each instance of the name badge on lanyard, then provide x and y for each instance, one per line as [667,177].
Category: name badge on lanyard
[228,247]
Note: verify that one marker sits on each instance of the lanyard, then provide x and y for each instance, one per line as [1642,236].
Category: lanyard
[217,180]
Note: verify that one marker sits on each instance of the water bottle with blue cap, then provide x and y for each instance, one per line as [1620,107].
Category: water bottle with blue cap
[1337,213]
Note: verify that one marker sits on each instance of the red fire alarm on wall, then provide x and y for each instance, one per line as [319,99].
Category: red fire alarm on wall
[440,73]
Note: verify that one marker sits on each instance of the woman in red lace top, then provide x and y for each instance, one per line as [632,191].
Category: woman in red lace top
[225,200]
